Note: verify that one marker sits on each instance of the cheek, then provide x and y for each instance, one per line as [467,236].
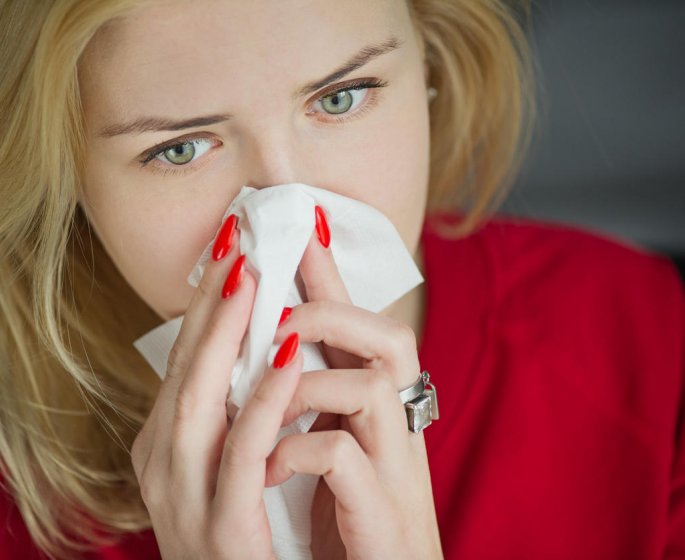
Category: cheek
[391,170]
[155,247]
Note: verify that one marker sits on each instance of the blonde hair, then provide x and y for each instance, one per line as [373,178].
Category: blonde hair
[74,391]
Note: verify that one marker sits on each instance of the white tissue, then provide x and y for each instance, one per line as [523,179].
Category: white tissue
[275,226]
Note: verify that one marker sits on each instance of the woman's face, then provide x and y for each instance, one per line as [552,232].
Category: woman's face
[238,89]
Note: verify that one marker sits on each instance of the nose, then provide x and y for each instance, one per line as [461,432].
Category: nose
[274,157]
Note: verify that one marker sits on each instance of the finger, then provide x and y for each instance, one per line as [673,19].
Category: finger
[201,306]
[205,299]
[199,423]
[368,400]
[240,480]
[336,456]
[380,341]
[319,272]
[364,499]
[192,423]
[322,281]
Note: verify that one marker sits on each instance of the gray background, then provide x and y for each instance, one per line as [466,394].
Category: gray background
[609,149]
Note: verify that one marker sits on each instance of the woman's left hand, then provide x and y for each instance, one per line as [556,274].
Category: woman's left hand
[377,498]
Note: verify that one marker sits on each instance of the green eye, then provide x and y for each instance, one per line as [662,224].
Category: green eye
[337,103]
[353,99]
[180,154]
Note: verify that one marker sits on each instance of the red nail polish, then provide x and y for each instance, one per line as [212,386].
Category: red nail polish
[284,315]
[233,278]
[322,231]
[287,351]
[224,240]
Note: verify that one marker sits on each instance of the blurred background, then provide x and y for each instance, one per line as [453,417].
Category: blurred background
[609,150]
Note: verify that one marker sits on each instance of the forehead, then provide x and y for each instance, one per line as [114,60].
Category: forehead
[183,46]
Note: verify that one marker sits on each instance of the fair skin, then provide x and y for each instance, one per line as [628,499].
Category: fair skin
[180,61]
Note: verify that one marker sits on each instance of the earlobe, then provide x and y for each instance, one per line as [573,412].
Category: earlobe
[431,92]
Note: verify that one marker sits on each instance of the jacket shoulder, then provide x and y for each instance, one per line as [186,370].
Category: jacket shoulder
[550,263]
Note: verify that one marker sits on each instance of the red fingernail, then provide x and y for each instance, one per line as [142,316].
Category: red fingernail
[284,315]
[233,278]
[322,231]
[224,240]
[287,351]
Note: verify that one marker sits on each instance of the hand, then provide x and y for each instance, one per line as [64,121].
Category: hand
[377,499]
[201,479]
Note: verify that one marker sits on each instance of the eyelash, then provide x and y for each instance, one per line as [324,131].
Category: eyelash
[363,83]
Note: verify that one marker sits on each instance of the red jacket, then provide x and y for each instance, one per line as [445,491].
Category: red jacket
[558,357]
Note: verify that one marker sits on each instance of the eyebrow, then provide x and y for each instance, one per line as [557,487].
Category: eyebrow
[155,124]
[364,56]
[158,124]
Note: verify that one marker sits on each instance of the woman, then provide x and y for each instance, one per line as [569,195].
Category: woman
[129,126]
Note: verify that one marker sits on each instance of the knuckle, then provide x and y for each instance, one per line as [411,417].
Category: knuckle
[237,453]
[321,307]
[203,287]
[215,327]
[150,490]
[141,447]
[341,445]
[139,454]
[185,408]
[262,398]
[221,327]
[177,362]
[404,337]
[231,451]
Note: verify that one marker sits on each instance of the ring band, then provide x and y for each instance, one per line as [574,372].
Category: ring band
[420,403]
[410,393]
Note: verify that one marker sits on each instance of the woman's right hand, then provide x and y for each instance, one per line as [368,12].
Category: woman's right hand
[201,479]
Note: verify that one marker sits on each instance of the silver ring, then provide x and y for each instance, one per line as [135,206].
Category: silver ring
[420,403]
[410,393]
